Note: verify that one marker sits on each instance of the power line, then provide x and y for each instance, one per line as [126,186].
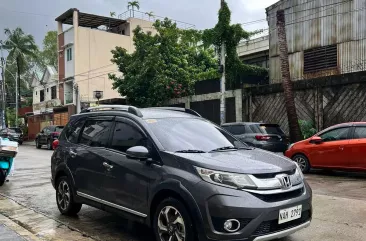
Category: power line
[29,13]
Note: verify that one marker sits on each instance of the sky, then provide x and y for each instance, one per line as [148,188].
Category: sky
[36,17]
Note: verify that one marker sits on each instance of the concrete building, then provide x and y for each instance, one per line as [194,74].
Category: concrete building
[85,54]
[45,91]
[324,38]
[255,51]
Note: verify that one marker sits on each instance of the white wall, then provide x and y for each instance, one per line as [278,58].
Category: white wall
[69,41]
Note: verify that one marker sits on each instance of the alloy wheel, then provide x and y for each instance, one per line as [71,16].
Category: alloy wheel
[63,195]
[301,162]
[171,225]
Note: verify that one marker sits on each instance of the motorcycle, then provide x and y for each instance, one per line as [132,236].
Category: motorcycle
[8,151]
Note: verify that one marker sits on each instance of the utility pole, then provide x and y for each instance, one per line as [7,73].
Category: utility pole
[16,99]
[223,80]
[3,92]
[295,131]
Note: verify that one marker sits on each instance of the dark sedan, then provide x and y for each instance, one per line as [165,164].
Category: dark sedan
[47,136]
[13,134]
[269,137]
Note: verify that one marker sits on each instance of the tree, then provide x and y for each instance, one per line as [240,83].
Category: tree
[21,47]
[49,53]
[133,5]
[112,14]
[163,66]
[231,35]
[150,14]
[293,121]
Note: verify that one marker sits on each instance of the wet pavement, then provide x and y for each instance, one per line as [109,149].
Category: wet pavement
[339,207]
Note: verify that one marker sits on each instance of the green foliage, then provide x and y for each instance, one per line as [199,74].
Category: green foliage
[10,117]
[49,53]
[133,5]
[231,35]
[163,66]
[112,14]
[307,128]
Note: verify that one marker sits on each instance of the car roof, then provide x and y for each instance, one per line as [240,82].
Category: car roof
[246,123]
[154,113]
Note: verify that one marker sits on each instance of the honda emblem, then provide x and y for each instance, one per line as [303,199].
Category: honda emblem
[285,181]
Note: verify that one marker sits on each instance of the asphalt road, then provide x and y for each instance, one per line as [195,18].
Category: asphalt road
[339,204]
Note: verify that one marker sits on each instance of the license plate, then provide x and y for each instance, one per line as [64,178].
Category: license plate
[289,214]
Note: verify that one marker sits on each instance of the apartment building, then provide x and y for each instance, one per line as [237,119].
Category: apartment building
[85,42]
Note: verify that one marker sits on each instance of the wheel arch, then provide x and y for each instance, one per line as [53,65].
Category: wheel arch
[303,154]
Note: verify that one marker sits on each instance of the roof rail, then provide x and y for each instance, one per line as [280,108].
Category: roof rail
[189,111]
[127,108]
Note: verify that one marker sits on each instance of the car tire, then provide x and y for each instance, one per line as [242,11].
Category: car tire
[20,143]
[49,145]
[2,177]
[38,145]
[179,223]
[303,162]
[65,197]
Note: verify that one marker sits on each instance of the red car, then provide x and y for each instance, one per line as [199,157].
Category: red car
[341,146]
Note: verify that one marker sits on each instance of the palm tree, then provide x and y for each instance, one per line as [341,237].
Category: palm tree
[133,5]
[113,14]
[21,48]
[150,14]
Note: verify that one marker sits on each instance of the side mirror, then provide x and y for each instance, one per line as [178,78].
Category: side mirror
[138,152]
[316,140]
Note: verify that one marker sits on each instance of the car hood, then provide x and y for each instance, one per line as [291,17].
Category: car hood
[254,161]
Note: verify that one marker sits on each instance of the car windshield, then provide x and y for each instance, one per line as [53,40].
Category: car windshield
[17,130]
[11,131]
[192,135]
[59,128]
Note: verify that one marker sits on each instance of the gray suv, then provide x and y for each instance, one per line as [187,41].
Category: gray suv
[178,173]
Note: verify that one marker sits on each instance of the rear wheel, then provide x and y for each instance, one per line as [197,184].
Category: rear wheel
[172,222]
[38,145]
[303,162]
[2,177]
[65,197]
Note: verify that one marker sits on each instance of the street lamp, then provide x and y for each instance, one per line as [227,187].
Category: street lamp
[98,94]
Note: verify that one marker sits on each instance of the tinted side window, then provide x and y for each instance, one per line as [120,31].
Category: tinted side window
[238,130]
[360,133]
[126,136]
[336,135]
[96,133]
[72,130]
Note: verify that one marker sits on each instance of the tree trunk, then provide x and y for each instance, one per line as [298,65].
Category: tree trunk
[295,131]
[18,67]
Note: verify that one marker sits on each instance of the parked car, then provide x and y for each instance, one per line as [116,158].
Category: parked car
[269,137]
[179,174]
[338,147]
[47,136]
[13,134]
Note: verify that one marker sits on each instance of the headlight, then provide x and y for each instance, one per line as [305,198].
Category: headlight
[232,180]
[299,171]
[290,146]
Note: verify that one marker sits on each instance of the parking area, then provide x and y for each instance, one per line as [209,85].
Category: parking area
[339,206]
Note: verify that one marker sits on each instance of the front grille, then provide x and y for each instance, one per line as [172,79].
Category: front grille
[218,223]
[273,175]
[279,196]
[272,226]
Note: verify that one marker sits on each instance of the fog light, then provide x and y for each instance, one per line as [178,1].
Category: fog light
[231,225]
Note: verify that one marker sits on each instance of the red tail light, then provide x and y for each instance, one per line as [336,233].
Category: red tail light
[55,133]
[262,138]
[55,144]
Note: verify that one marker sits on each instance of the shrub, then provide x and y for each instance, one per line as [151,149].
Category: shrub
[307,128]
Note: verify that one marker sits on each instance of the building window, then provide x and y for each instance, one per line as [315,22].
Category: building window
[53,92]
[36,93]
[322,58]
[69,54]
[41,98]
[47,90]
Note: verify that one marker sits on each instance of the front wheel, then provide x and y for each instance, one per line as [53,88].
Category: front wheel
[172,222]
[65,197]
[38,145]
[303,162]
[2,177]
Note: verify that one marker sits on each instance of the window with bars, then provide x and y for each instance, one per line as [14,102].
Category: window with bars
[321,58]
[69,54]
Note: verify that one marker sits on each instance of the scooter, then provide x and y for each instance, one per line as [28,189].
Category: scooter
[8,151]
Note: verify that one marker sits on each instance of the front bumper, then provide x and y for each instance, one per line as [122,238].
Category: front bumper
[258,215]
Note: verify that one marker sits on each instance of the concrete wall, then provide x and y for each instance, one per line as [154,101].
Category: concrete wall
[93,61]
[253,46]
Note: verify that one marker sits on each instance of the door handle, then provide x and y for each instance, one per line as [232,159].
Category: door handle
[341,148]
[73,154]
[106,165]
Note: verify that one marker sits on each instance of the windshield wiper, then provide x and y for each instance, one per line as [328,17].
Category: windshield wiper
[191,151]
[225,148]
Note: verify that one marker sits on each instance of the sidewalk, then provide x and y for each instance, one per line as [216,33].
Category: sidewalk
[19,223]
[29,143]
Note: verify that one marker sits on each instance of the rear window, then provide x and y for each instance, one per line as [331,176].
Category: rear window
[267,129]
[59,128]
[11,131]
